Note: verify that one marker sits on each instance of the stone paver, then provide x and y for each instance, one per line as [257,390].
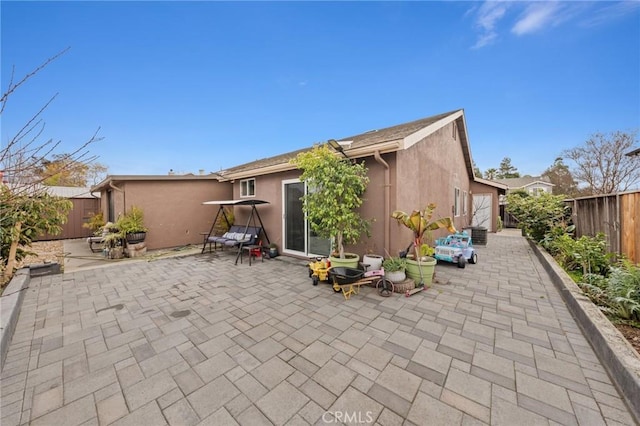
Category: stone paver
[198,340]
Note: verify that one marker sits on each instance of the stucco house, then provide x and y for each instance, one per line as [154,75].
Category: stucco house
[531,184]
[409,166]
[172,204]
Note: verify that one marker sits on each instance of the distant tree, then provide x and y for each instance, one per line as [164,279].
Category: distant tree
[63,170]
[491,174]
[560,175]
[96,173]
[26,210]
[476,169]
[601,163]
[507,170]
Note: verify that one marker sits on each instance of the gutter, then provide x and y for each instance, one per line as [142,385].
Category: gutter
[387,190]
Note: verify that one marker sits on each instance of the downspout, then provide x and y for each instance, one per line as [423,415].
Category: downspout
[124,195]
[387,189]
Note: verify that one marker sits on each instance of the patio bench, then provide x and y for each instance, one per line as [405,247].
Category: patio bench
[98,240]
[237,236]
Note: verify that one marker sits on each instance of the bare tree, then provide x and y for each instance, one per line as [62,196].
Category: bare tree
[26,210]
[602,165]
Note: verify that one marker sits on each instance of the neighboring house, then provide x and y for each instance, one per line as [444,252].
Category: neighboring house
[634,152]
[172,204]
[531,184]
[409,166]
[85,204]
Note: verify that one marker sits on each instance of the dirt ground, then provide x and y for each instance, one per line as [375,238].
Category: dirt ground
[632,335]
[53,251]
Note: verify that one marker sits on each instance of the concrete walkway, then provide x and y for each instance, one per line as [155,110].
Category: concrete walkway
[197,340]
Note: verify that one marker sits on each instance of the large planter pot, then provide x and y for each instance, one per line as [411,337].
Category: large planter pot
[395,276]
[372,262]
[428,266]
[136,237]
[350,260]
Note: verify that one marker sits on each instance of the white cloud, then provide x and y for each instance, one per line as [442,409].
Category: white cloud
[492,17]
[487,18]
[610,12]
[536,17]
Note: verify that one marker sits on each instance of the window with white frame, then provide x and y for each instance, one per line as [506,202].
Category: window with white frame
[464,203]
[248,187]
[456,202]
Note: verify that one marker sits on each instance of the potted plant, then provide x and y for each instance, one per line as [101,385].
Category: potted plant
[273,250]
[95,223]
[421,265]
[394,268]
[112,241]
[335,189]
[372,262]
[131,225]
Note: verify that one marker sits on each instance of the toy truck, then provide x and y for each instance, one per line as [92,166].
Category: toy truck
[456,248]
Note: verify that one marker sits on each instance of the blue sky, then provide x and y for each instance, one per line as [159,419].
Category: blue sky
[210,85]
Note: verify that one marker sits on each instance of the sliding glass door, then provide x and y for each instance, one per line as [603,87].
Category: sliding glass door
[297,235]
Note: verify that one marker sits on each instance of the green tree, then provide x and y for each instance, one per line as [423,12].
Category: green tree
[560,175]
[491,174]
[476,170]
[23,218]
[335,189]
[601,163]
[507,170]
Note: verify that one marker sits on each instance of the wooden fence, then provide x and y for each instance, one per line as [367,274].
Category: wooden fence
[615,215]
[82,210]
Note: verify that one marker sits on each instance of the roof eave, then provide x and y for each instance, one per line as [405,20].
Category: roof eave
[490,183]
[354,153]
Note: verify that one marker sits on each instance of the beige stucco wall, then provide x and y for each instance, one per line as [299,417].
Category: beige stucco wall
[173,210]
[429,173]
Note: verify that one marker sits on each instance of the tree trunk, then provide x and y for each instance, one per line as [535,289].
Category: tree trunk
[11,260]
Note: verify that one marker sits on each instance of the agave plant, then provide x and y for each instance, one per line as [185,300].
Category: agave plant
[420,223]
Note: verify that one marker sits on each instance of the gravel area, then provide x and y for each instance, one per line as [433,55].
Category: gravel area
[45,252]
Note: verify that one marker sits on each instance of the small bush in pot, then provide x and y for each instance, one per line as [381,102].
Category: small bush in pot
[394,264]
[131,224]
[394,268]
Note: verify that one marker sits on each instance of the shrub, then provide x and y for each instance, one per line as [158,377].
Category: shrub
[586,254]
[618,295]
[538,215]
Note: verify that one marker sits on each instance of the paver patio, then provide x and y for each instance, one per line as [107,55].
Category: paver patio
[197,340]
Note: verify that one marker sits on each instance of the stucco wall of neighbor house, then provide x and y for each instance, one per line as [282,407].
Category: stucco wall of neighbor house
[431,170]
[173,210]
[480,188]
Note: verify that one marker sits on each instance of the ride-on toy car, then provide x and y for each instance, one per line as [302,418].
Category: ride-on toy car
[456,248]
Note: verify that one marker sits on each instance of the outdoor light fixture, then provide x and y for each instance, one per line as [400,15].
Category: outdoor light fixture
[337,146]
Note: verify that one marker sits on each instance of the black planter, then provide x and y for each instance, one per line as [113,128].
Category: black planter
[273,252]
[136,237]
